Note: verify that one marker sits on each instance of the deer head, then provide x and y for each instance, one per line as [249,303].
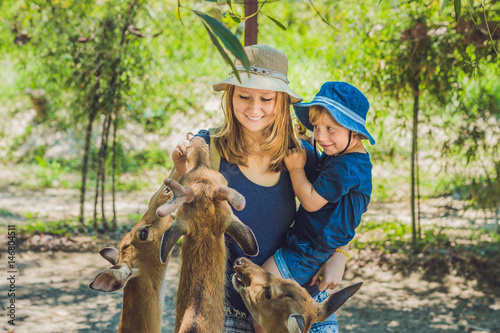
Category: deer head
[201,202]
[282,305]
[138,251]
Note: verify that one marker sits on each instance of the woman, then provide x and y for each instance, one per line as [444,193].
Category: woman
[252,142]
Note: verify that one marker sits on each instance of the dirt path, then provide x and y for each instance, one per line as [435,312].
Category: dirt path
[53,297]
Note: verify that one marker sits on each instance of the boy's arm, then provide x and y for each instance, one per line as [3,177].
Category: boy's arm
[304,190]
[330,274]
[295,161]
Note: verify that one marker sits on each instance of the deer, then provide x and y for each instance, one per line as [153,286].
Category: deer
[202,216]
[138,270]
[282,305]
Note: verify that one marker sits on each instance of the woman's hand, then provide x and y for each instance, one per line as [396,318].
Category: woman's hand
[302,133]
[179,157]
[330,274]
[295,159]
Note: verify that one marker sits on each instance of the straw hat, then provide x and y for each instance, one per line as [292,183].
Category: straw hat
[268,71]
[345,103]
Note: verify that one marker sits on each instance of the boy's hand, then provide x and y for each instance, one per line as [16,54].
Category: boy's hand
[330,274]
[295,159]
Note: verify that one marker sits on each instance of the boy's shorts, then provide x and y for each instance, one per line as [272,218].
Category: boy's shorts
[301,261]
[330,325]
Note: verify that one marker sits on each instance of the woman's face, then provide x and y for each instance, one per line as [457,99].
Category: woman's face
[254,108]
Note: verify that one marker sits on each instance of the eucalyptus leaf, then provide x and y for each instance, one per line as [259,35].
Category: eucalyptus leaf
[240,29]
[228,39]
[275,21]
[234,17]
[443,6]
[458,9]
[222,52]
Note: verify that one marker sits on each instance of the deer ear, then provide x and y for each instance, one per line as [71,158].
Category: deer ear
[110,254]
[112,279]
[336,300]
[296,323]
[170,237]
[243,235]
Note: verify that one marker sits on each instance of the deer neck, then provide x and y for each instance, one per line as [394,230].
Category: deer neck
[201,293]
[143,299]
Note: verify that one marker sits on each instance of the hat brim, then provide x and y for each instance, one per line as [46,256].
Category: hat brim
[302,113]
[261,82]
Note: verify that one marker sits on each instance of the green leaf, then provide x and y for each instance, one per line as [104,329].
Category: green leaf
[443,6]
[222,52]
[228,39]
[458,9]
[240,29]
[229,4]
[236,18]
[275,21]
[471,5]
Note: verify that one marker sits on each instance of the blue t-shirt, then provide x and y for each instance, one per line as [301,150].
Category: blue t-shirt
[269,212]
[346,182]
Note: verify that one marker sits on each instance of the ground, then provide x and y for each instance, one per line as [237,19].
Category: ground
[53,296]
[52,293]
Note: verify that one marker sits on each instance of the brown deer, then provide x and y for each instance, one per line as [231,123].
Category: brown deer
[202,216]
[137,268]
[282,305]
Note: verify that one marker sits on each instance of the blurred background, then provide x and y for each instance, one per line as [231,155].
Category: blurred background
[95,94]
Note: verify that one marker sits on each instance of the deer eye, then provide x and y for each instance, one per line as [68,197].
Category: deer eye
[268,293]
[144,234]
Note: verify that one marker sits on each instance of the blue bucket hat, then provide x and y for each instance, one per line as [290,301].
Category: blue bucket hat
[346,104]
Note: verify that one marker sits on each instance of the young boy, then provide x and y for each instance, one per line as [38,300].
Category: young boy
[331,206]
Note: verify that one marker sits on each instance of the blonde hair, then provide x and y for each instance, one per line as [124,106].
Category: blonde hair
[316,111]
[229,139]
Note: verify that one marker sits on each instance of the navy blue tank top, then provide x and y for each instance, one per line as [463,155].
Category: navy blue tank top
[269,212]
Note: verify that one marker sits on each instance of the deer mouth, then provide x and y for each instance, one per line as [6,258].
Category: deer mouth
[237,281]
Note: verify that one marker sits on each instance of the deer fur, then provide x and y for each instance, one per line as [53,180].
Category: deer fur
[202,216]
[282,305]
[138,270]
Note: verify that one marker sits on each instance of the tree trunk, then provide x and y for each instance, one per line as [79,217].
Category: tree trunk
[113,171]
[413,162]
[101,173]
[104,157]
[86,153]
[251,25]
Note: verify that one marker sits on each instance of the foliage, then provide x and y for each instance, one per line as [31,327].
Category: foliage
[473,254]
[168,66]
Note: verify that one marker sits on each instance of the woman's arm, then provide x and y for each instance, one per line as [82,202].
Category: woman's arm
[330,274]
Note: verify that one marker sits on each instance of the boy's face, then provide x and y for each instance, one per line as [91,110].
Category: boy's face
[332,137]
[254,108]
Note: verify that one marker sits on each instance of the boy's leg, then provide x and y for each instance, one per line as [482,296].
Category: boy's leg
[271,267]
